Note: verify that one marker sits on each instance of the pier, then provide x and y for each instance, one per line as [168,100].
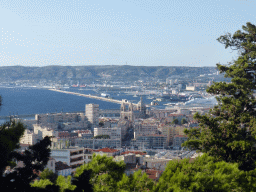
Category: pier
[89,96]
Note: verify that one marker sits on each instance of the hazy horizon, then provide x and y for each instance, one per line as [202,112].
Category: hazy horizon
[105,66]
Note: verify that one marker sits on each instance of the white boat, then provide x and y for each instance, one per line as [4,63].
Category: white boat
[104,95]
[171,104]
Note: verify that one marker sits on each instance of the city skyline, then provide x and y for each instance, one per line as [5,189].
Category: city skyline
[139,33]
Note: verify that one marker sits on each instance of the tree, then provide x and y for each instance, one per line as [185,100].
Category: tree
[82,181]
[228,131]
[34,158]
[183,121]
[42,183]
[205,174]
[65,183]
[175,121]
[137,181]
[48,174]
[104,173]
[10,134]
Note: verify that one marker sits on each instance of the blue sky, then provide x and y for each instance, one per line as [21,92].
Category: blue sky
[116,32]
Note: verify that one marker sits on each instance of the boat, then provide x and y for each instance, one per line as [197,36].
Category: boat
[170,104]
[105,95]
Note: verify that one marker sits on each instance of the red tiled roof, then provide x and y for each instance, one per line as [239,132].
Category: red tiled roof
[153,174]
[106,150]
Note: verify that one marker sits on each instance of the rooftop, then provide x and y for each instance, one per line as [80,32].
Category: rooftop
[106,150]
[60,166]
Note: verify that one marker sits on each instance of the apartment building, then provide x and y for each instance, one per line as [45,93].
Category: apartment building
[44,131]
[153,141]
[65,121]
[72,156]
[170,131]
[178,140]
[98,143]
[114,133]
[29,138]
[92,113]
[146,127]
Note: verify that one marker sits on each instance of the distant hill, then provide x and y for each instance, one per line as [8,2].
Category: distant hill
[85,74]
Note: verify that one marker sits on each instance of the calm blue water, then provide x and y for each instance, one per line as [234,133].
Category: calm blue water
[26,101]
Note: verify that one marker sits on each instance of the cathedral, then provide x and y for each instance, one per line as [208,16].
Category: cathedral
[132,111]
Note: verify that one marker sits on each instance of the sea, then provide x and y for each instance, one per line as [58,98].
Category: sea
[18,101]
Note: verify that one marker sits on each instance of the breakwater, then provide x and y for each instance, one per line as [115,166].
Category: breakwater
[88,96]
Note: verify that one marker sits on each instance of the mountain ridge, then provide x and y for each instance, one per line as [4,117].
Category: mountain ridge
[84,74]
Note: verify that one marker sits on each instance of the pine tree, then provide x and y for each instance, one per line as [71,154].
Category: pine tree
[101,174]
[34,158]
[228,131]
[205,174]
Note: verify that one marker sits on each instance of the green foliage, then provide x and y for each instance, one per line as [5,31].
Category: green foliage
[228,131]
[48,174]
[104,172]
[205,174]
[136,182]
[34,158]
[183,121]
[42,183]
[102,137]
[65,183]
[82,181]
[10,134]
[175,121]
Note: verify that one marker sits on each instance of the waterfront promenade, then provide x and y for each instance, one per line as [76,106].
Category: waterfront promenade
[89,96]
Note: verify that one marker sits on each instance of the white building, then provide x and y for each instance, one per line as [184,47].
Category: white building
[114,133]
[44,131]
[59,117]
[73,156]
[92,113]
[98,143]
[190,88]
[29,138]
[146,127]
